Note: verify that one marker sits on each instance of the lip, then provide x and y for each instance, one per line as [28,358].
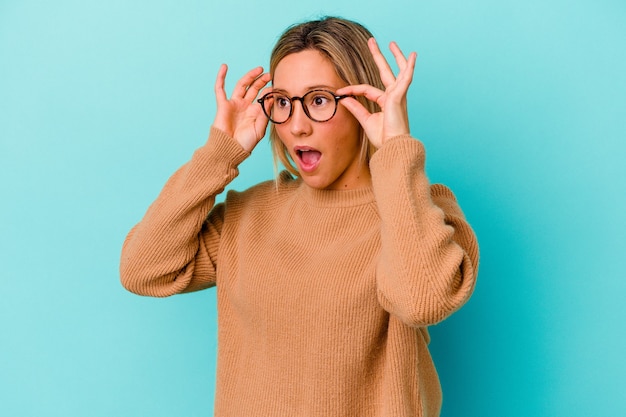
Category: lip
[306,167]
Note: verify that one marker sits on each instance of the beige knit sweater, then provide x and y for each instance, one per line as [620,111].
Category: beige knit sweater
[323,296]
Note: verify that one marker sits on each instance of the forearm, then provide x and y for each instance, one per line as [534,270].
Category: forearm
[429,256]
[168,252]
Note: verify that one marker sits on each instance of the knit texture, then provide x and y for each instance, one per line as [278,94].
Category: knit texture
[324,296]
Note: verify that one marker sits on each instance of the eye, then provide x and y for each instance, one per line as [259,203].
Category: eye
[282,102]
[320,100]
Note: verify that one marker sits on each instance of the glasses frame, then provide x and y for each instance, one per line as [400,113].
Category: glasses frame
[261,101]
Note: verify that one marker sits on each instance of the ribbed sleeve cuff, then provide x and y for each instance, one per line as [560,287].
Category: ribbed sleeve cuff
[398,150]
[221,146]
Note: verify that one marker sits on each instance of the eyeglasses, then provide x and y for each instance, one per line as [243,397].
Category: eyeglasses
[318,105]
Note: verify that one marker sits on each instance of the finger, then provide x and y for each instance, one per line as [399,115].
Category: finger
[398,55]
[260,124]
[386,74]
[220,94]
[405,77]
[246,81]
[258,83]
[369,92]
[359,111]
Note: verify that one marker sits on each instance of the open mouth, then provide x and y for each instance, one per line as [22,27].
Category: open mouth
[308,158]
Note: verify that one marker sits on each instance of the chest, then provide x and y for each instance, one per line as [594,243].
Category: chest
[305,264]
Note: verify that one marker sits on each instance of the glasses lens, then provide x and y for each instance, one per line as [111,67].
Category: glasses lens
[320,104]
[277,107]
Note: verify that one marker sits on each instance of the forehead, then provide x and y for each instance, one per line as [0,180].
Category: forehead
[302,71]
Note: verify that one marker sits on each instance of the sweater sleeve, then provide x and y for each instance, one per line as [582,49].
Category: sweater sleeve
[429,257]
[174,247]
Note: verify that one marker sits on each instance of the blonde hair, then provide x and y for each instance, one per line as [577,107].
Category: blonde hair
[344,43]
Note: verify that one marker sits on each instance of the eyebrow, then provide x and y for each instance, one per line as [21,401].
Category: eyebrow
[309,88]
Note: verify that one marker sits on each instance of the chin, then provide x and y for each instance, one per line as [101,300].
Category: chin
[315,182]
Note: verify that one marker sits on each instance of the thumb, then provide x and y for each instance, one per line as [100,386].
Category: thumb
[260,126]
[360,113]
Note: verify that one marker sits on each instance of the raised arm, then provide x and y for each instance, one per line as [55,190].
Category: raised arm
[429,257]
[174,247]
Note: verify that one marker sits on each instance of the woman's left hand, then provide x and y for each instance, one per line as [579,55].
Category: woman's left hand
[393,118]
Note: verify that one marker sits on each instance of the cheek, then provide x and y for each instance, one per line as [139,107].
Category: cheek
[281,132]
[347,122]
[346,131]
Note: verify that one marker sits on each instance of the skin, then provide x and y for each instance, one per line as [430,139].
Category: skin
[338,139]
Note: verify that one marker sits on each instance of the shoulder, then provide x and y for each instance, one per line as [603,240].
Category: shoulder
[444,198]
[441,191]
[266,195]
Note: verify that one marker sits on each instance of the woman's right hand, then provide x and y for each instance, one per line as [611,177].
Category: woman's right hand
[240,116]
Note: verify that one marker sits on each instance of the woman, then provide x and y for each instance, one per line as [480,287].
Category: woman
[327,277]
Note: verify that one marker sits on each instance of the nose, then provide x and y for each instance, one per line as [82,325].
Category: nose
[299,123]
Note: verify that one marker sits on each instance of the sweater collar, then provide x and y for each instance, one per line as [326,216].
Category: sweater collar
[336,198]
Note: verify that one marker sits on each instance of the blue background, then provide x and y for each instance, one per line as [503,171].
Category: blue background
[522,109]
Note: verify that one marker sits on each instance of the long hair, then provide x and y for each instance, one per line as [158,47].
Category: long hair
[344,43]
